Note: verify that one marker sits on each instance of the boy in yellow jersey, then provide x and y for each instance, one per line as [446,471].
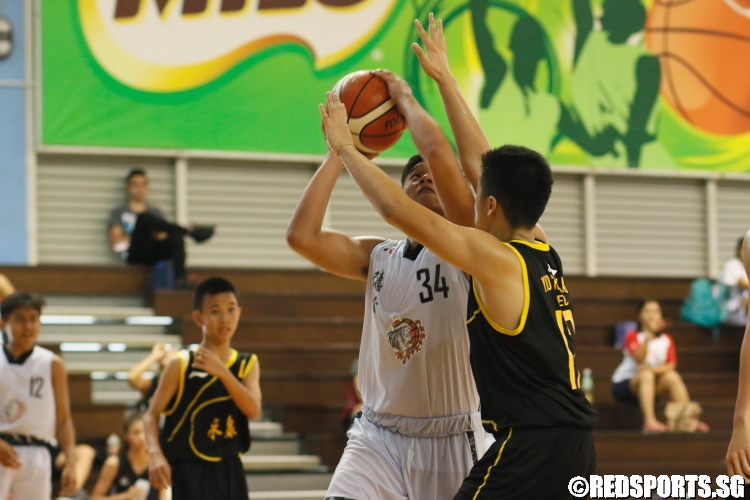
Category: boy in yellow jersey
[207,396]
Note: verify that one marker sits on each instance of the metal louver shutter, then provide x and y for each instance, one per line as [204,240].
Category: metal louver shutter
[733,207]
[351,213]
[75,196]
[251,206]
[650,227]
[563,222]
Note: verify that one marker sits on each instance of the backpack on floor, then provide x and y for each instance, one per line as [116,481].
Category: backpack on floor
[705,306]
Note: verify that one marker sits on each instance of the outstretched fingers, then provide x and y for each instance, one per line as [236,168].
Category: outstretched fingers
[422,33]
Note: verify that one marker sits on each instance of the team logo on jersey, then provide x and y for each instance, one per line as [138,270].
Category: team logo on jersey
[406,337]
[553,272]
[13,410]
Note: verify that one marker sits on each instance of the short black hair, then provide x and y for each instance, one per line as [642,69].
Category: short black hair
[212,286]
[134,173]
[20,299]
[410,165]
[520,180]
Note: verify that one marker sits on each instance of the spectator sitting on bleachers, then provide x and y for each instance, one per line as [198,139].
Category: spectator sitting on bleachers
[733,276]
[140,233]
[160,353]
[124,476]
[648,368]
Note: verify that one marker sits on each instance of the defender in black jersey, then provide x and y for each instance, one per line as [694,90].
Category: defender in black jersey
[521,324]
[206,396]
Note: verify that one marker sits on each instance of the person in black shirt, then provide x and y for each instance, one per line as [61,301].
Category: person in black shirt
[206,396]
[519,312]
[125,476]
[140,233]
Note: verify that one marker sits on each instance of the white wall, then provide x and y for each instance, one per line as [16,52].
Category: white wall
[616,223]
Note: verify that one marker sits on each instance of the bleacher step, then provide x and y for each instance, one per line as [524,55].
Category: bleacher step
[287,495]
[288,444]
[266,429]
[109,312]
[288,480]
[279,462]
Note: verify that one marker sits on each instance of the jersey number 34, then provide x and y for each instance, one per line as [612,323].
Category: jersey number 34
[439,285]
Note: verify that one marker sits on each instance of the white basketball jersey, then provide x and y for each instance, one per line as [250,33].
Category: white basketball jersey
[27,398]
[414,356]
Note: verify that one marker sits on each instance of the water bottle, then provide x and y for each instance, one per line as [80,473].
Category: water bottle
[587,384]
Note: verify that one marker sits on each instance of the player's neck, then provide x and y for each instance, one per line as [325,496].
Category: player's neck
[222,349]
[505,233]
[137,206]
[16,350]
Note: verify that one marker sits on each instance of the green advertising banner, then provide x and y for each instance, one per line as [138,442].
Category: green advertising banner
[658,84]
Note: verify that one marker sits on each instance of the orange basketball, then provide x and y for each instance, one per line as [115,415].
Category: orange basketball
[704,49]
[374,121]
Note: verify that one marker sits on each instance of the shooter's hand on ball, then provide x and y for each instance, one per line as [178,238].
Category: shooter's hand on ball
[334,122]
[397,86]
[434,57]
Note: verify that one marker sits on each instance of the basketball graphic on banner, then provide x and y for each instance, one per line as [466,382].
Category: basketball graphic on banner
[704,49]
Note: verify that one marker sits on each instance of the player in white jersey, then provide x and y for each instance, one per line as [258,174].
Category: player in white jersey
[34,406]
[420,432]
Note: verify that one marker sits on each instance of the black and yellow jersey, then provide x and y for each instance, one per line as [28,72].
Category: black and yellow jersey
[527,377]
[202,422]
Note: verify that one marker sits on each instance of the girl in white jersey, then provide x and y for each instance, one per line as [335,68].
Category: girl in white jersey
[420,432]
[34,406]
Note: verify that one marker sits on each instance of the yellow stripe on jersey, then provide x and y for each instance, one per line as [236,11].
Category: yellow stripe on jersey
[497,460]
[473,316]
[539,245]
[192,428]
[230,362]
[494,425]
[526,299]
[248,367]
[189,407]
[183,356]
[562,317]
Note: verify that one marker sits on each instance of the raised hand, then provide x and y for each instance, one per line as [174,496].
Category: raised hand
[334,123]
[434,57]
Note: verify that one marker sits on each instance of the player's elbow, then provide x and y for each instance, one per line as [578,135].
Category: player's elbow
[297,239]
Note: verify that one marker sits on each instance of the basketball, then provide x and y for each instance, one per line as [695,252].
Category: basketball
[374,121]
[704,49]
